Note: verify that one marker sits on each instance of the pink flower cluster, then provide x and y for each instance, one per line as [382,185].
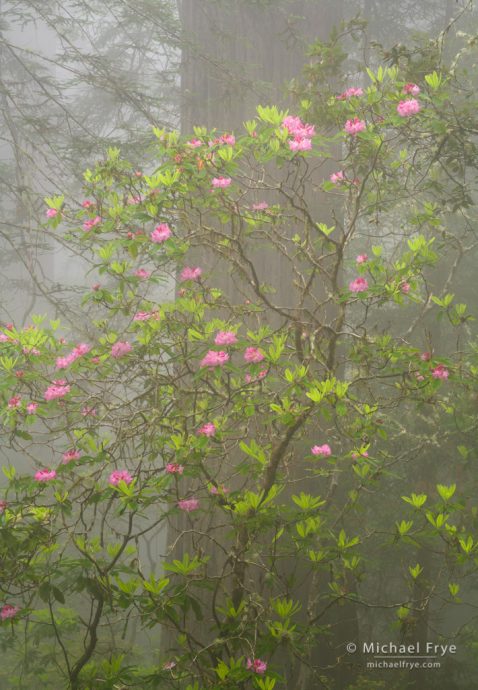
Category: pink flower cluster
[120,476]
[14,402]
[51,213]
[253,355]
[228,139]
[71,455]
[358,285]
[161,233]
[261,206]
[142,273]
[188,504]
[88,224]
[362,258]
[194,143]
[411,89]
[351,92]
[337,177]
[45,475]
[8,611]
[58,389]
[408,107]
[120,349]
[207,429]
[225,338]
[145,315]
[324,451]
[174,468]
[221,182]
[355,126]
[440,372]
[78,351]
[256,665]
[190,273]
[301,132]
[215,359]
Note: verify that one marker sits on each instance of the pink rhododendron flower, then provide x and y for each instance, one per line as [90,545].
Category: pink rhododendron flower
[45,475]
[120,476]
[64,362]
[88,224]
[214,359]
[174,468]
[8,611]
[298,144]
[361,258]
[188,504]
[337,177]
[142,273]
[349,93]
[87,203]
[81,349]
[56,390]
[207,429]
[190,273]
[194,143]
[228,139]
[358,285]
[426,356]
[145,315]
[225,338]
[324,451]
[408,108]
[440,372]
[51,213]
[411,89]
[221,182]
[256,665]
[14,402]
[405,288]
[4,338]
[161,233]
[297,128]
[121,348]
[71,455]
[32,407]
[261,206]
[3,505]
[355,126]
[253,354]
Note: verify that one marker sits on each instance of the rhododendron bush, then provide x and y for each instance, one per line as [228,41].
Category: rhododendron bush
[260,435]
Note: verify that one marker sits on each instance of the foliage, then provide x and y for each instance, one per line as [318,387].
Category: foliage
[268,427]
